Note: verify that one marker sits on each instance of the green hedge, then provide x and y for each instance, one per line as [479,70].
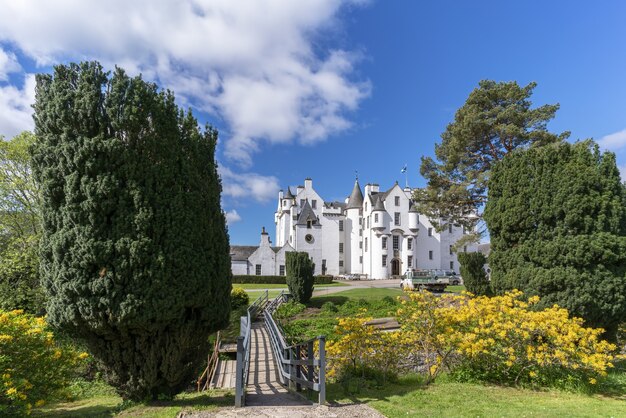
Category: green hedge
[248,278]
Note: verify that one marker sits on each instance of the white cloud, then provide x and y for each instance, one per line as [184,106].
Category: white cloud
[232,216]
[248,185]
[254,63]
[8,64]
[15,107]
[614,141]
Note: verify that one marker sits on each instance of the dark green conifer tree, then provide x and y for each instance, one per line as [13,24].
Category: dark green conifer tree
[134,253]
[557,221]
[473,273]
[300,270]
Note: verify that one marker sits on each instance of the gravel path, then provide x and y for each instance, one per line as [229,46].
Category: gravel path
[338,411]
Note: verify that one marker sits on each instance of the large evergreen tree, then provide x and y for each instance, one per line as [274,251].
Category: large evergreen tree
[496,119]
[300,279]
[134,253]
[557,221]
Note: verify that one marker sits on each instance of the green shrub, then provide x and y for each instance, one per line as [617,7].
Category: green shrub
[33,367]
[300,269]
[329,307]
[238,297]
[473,273]
[289,309]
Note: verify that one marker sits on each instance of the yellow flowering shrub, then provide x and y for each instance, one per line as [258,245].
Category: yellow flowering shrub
[33,368]
[360,350]
[502,339]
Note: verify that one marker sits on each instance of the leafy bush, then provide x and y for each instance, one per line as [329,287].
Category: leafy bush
[289,309]
[300,269]
[33,367]
[238,298]
[329,307]
[473,273]
[504,340]
[363,352]
[251,279]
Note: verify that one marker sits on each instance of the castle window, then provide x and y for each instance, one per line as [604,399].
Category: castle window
[314,203]
[384,243]
[450,228]
[258,269]
[301,202]
[430,255]
[375,218]
[341,248]
[451,265]
[360,259]
[396,242]
[384,261]
[430,232]
[397,200]
[361,244]
[365,243]
[284,203]
[409,243]
[366,206]
[465,248]
[451,250]
[410,261]
[341,225]
[281,270]
[360,232]
[309,223]
[396,218]
[340,263]
[360,221]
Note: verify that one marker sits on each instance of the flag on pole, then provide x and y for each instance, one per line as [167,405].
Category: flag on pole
[403,169]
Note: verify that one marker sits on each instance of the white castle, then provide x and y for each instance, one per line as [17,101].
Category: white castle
[378,235]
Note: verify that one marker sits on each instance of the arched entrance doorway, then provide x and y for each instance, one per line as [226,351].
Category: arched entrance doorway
[395,267]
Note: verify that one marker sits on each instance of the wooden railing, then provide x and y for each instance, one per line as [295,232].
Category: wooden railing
[243,348]
[212,361]
[298,365]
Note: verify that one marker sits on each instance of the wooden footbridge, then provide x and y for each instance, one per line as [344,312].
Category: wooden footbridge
[267,372]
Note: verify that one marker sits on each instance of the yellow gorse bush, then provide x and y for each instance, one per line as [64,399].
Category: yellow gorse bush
[501,339]
[360,347]
[32,367]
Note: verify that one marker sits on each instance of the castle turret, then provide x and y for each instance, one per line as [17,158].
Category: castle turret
[354,208]
[378,214]
[413,218]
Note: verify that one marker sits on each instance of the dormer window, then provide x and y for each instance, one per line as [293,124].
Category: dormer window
[397,200]
[309,224]
[314,204]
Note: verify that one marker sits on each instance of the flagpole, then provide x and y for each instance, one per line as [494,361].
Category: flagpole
[406,177]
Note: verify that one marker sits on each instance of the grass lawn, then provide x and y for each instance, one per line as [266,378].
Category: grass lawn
[369,294]
[455,289]
[450,399]
[108,404]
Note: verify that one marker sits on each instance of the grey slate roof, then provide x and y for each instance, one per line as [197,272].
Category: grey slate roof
[413,207]
[306,214]
[340,205]
[378,205]
[288,195]
[356,197]
[242,252]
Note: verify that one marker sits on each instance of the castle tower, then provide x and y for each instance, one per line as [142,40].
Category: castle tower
[354,210]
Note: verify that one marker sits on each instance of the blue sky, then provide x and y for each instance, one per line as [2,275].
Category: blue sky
[321,88]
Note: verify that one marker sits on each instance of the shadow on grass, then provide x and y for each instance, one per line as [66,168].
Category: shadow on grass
[318,301]
[110,406]
[340,394]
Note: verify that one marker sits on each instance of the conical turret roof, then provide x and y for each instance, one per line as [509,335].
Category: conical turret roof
[379,204]
[356,197]
[288,195]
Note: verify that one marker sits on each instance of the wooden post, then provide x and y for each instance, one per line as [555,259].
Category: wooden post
[298,367]
[310,371]
[322,373]
[239,378]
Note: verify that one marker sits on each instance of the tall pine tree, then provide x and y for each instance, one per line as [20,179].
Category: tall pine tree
[557,221]
[134,253]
